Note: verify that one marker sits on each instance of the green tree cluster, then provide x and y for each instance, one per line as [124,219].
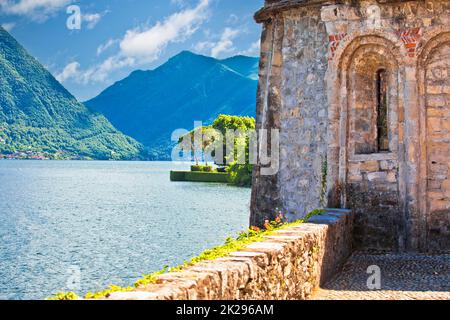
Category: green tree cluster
[240,174]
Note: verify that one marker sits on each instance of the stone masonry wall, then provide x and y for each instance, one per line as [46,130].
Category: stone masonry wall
[288,265]
[292,98]
[384,188]
[438,145]
[304,112]
[320,90]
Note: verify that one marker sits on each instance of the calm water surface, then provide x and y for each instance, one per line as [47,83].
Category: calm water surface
[111,221]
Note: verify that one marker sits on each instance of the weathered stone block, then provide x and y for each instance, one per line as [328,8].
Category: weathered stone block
[387,165]
[370,166]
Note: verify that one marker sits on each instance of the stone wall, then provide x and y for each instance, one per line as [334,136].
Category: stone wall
[438,145]
[292,98]
[320,90]
[288,265]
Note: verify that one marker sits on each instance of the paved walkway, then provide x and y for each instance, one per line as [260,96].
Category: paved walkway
[403,277]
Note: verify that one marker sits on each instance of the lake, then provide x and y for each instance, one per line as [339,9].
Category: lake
[80,226]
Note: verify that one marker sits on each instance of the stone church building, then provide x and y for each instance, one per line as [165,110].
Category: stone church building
[360,93]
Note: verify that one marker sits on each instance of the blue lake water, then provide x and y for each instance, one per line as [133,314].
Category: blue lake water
[85,225]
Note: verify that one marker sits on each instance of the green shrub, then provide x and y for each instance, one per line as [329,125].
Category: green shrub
[202,168]
[241,174]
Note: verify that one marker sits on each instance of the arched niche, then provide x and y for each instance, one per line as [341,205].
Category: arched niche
[372,104]
[434,92]
[387,52]
[365,171]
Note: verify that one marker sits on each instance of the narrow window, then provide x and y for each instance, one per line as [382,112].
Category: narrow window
[382,111]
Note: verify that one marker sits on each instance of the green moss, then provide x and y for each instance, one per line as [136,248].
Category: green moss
[64,296]
[150,278]
[231,245]
[106,292]
[323,191]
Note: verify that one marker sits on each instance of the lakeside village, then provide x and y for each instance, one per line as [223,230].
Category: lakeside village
[34,155]
[25,155]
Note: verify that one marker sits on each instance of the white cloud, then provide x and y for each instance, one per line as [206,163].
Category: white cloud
[100,73]
[36,9]
[105,46]
[70,71]
[180,3]
[203,46]
[233,19]
[225,44]
[254,49]
[148,43]
[91,19]
[140,46]
[40,10]
[144,45]
[8,26]
[97,73]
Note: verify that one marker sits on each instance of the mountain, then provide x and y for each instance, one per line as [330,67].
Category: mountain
[39,116]
[246,66]
[150,105]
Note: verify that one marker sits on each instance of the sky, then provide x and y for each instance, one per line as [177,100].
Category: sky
[88,45]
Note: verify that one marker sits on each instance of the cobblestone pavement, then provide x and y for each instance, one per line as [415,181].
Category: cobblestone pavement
[403,277]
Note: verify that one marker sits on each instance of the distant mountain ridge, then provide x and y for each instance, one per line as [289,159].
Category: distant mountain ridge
[150,105]
[38,115]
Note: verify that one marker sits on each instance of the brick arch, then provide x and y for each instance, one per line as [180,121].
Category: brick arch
[350,44]
[434,38]
[434,123]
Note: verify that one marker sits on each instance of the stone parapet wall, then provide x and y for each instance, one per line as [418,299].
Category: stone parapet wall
[289,264]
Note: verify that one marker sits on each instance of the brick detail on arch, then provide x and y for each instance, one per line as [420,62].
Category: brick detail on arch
[410,38]
[335,40]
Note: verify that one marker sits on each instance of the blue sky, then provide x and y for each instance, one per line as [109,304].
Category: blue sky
[119,36]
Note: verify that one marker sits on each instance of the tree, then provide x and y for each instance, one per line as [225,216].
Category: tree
[203,141]
[214,137]
[240,173]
